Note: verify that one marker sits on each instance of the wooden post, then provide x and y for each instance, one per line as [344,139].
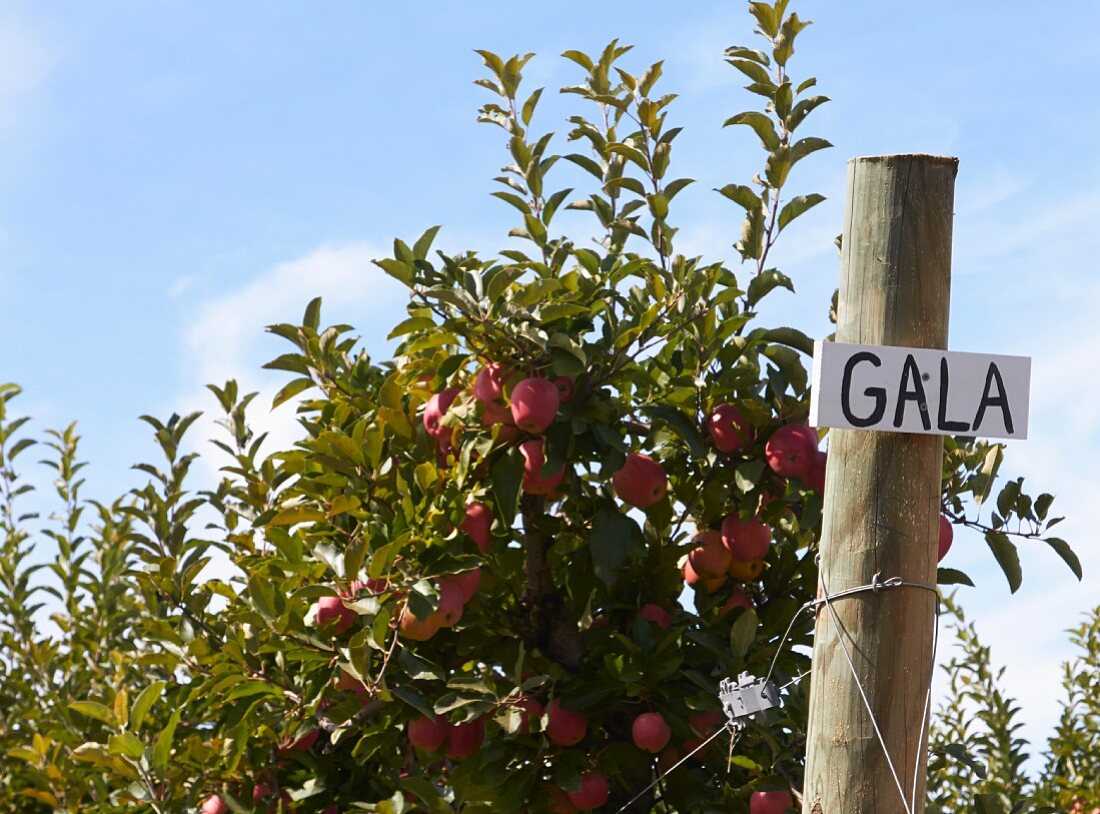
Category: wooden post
[882,499]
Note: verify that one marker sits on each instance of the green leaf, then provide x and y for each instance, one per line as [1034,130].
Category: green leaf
[1062,549]
[126,744]
[1007,557]
[94,709]
[312,316]
[792,338]
[292,389]
[741,195]
[951,576]
[682,425]
[163,747]
[803,147]
[760,123]
[615,536]
[743,633]
[796,206]
[765,282]
[144,701]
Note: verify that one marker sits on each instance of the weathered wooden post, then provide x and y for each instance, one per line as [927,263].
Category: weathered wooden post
[881,504]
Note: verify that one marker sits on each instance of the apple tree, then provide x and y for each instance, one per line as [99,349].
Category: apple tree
[506,569]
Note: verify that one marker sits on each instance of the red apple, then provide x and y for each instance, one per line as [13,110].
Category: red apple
[770,802]
[493,413]
[745,570]
[262,793]
[331,611]
[436,408]
[464,739]
[479,525]
[593,794]
[737,599]
[529,708]
[655,614]
[815,478]
[791,450]
[534,460]
[947,536]
[534,404]
[303,743]
[451,603]
[428,733]
[709,558]
[705,723]
[565,727]
[559,802]
[331,809]
[377,586]
[565,388]
[693,577]
[348,682]
[418,630]
[650,732]
[490,381]
[466,583]
[728,428]
[641,482]
[214,805]
[746,539]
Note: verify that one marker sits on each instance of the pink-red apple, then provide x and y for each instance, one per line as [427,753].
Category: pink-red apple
[534,460]
[745,570]
[737,599]
[593,794]
[479,525]
[641,482]
[728,428]
[464,739]
[565,388]
[565,727]
[534,404]
[428,733]
[770,802]
[709,558]
[947,536]
[746,539]
[650,732]
[331,611]
[791,450]
[655,614]
[466,583]
[418,630]
[449,611]
[529,708]
[490,381]
[436,408]
[303,743]
[815,478]
[214,804]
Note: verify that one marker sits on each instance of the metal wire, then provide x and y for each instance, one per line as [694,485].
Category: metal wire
[877,586]
[735,732]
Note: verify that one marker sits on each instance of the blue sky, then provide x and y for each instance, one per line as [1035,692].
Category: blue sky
[174,176]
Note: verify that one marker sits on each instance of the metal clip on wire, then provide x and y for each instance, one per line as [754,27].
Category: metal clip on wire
[747,697]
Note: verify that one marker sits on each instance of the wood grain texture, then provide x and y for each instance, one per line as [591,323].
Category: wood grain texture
[882,499]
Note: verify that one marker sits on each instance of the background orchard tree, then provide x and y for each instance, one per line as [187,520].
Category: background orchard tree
[460,590]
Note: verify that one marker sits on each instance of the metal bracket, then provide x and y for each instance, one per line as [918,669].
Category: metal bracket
[747,696]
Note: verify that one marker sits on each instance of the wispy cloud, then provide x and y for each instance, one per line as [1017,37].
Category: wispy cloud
[25,60]
[225,333]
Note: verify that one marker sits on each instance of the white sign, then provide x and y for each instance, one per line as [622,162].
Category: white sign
[932,392]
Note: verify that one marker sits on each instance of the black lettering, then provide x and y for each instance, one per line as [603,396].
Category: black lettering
[993,374]
[877,393]
[915,392]
[941,420]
